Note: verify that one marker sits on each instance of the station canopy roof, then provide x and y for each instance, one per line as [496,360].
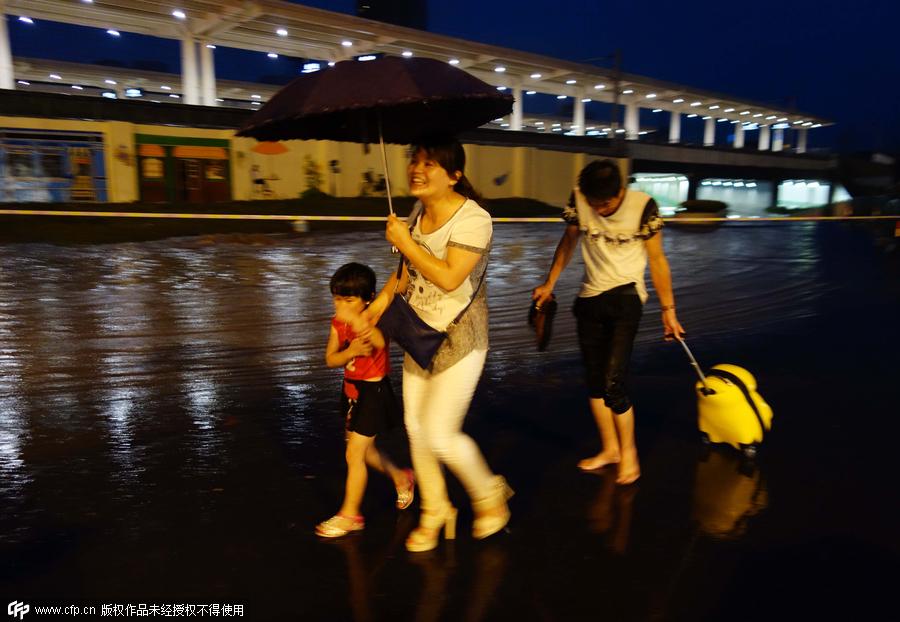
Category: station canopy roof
[294,30]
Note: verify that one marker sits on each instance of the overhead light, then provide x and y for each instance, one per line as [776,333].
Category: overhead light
[538,122]
[255,96]
[729,110]
[620,131]
[25,19]
[453,61]
[695,104]
[88,1]
[179,14]
[721,121]
[650,96]
[657,110]
[627,91]
[281,32]
[108,81]
[745,112]
[331,63]
[311,67]
[219,100]
[500,69]
[407,53]
[133,92]
[536,76]
[757,115]
[272,55]
[817,125]
[346,43]
[366,57]
[557,125]
[174,95]
[23,82]
[770,117]
[109,95]
[585,100]
[114,33]
[501,88]
[571,81]
[166,88]
[677,101]
[560,97]
[691,116]
[715,107]
[530,92]
[597,87]
[504,125]
[77,87]
[210,46]
[707,118]
[55,76]
[642,133]
[782,119]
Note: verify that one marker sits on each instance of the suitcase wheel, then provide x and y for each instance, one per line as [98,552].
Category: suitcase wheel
[749,451]
[704,439]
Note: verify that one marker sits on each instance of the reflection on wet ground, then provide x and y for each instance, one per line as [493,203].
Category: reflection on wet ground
[168,434]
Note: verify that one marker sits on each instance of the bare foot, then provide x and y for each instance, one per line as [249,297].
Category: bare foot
[599,461]
[629,467]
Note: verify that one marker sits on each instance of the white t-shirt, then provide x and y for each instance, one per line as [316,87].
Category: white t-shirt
[613,246]
[470,228]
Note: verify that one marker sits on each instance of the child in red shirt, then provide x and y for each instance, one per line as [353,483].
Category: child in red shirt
[367,398]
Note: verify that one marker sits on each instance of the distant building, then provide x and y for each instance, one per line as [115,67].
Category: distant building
[409,13]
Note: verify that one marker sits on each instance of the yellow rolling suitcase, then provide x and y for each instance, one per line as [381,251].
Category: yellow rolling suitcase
[730,410]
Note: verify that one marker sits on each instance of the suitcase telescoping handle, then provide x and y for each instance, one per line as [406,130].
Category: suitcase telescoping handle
[706,389]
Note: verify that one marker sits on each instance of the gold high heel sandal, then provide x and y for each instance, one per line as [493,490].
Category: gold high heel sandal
[425,537]
[487,525]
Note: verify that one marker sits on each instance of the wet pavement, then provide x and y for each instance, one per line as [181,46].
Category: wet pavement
[169,435]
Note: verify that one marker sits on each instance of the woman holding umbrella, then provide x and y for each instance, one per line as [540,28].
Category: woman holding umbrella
[446,250]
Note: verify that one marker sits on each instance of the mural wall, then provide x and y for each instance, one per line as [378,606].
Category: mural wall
[47,166]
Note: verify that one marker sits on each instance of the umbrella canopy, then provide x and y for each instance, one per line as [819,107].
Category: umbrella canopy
[397,99]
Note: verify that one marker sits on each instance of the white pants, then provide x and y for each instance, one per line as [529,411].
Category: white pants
[435,406]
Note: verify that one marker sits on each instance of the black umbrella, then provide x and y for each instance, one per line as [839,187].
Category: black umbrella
[390,99]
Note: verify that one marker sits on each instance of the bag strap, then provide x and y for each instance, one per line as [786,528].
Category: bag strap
[733,379]
[411,221]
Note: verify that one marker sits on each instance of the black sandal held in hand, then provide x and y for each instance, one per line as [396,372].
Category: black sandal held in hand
[540,318]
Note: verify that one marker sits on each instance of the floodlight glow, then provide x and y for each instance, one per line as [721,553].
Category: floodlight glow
[166,88]
[407,53]
[597,87]
[745,112]
[56,76]
[77,87]
[110,81]
[770,117]
[695,104]
[560,97]
[255,96]
[179,14]
[500,69]
[715,107]
[627,91]
[311,67]
[23,82]
[585,100]
[347,43]
[571,81]
[707,118]
[501,88]
[677,101]
[281,32]
[453,61]
[691,116]
[25,19]
[751,185]
[657,110]
[114,33]
[210,46]
[536,76]
[367,57]
[650,96]
[530,92]
[272,55]
[729,110]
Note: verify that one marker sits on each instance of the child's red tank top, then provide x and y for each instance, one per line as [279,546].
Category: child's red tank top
[376,365]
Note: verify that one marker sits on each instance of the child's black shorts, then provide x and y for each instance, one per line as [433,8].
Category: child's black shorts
[374,411]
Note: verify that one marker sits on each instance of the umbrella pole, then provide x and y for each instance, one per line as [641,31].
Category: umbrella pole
[387,177]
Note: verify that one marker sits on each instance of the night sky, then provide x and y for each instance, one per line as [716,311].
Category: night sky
[832,58]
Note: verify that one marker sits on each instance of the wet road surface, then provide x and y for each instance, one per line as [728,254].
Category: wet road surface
[169,434]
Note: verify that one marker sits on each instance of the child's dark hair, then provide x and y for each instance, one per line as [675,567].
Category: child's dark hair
[354,279]
[600,180]
[449,153]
